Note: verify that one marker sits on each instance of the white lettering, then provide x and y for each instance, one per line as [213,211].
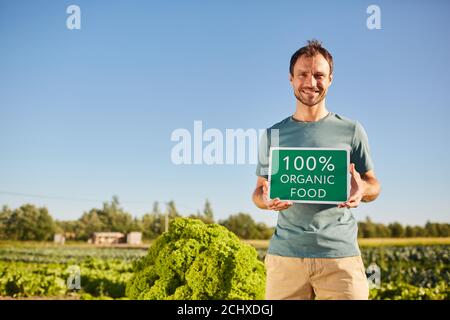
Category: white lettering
[74,20]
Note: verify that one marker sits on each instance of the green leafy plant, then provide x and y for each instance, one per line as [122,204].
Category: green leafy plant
[195,260]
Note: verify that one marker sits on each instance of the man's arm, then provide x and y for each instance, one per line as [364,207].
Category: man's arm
[372,187]
[260,197]
[364,188]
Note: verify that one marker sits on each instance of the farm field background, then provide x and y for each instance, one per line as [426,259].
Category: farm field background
[411,268]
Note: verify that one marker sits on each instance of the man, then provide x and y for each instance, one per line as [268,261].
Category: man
[314,251]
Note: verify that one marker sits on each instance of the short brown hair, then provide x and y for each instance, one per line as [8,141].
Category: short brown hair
[313,48]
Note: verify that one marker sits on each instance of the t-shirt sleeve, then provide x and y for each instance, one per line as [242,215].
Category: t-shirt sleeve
[360,154]
[262,168]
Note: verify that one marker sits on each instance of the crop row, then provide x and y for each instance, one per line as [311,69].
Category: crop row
[67,254]
[408,272]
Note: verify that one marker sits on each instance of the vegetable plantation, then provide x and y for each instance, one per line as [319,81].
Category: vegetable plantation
[407,272]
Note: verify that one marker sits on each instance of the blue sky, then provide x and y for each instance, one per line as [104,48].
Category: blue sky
[87,114]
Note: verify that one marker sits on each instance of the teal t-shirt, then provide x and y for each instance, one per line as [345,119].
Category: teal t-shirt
[316,230]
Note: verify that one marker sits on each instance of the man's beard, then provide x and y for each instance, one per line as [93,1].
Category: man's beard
[314,102]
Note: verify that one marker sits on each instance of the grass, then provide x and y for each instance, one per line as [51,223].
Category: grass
[77,244]
[374,242]
[258,244]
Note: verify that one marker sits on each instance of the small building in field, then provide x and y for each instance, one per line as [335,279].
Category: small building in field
[107,238]
[134,238]
[59,238]
[69,235]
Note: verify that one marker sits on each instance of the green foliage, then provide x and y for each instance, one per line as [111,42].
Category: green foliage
[65,255]
[110,218]
[397,230]
[208,212]
[369,229]
[90,222]
[405,291]
[98,278]
[437,229]
[5,215]
[422,266]
[407,272]
[195,260]
[23,279]
[31,223]
[172,210]
[412,273]
[43,271]
[152,225]
[26,223]
[105,278]
[243,225]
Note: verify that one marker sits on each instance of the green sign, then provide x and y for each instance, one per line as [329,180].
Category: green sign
[309,175]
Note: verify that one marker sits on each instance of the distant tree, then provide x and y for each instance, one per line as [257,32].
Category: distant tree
[5,216]
[207,216]
[115,218]
[156,208]
[208,212]
[69,228]
[152,225]
[111,218]
[367,229]
[409,232]
[89,223]
[397,230]
[444,229]
[382,231]
[172,210]
[198,215]
[264,232]
[419,231]
[243,225]
[431,229]
[136,225]
[30,223]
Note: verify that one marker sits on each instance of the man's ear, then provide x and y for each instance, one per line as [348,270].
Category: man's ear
[290,78]
[331,78]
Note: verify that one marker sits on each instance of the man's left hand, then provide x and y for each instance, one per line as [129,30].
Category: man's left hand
[356,191]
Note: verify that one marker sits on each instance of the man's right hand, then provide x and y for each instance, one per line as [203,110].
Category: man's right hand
[261,197]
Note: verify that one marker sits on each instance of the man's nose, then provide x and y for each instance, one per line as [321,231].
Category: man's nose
[310,82]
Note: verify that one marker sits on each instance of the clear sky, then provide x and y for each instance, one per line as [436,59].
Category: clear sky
[87,114]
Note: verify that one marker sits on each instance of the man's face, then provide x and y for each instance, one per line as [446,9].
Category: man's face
[311,79]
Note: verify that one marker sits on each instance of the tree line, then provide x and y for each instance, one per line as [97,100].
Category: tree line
[29,222]
[369,229]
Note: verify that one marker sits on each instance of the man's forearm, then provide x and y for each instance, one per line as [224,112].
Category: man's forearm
[258,198]
[372,189]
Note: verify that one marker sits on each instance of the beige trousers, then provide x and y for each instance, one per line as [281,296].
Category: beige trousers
[315,278]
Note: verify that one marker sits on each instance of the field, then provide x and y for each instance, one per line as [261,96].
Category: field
[417,268]
[375,242]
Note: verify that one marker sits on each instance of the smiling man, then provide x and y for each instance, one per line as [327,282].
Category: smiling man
[314,251]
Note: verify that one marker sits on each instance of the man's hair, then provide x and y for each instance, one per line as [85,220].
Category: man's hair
[313,48]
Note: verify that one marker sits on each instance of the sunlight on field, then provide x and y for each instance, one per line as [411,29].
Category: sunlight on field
[258,244]
[411,268]
[371,242]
